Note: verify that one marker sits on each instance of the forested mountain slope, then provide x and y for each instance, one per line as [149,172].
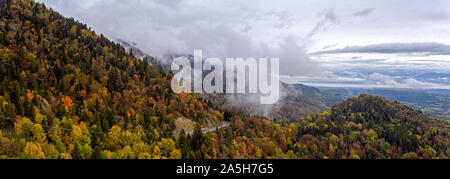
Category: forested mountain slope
[361,127]
[58,75]
[67,92]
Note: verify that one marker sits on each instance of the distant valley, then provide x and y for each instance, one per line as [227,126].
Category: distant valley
[433,102]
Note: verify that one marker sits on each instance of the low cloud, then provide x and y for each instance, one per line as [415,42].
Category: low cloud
[413,83]
[397,82]
[372,80]
[379,77]
[392,48]
[364,12]
[330,46]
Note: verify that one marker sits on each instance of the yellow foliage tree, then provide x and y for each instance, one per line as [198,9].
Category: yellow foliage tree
[113,140]
[35,150]
[156,153]
[76,134]
[166,145]
[38,133]
[175,154]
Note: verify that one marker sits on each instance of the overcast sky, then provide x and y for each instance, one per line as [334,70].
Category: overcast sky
[289,29]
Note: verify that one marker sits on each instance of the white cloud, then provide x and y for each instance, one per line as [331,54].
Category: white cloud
[379,77]
[397,82]
[284,29]
[220,28]
[413,83]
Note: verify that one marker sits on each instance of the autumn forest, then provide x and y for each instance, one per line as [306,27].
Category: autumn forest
[69,93]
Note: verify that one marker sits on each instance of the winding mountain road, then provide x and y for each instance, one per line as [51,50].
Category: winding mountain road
[210,129]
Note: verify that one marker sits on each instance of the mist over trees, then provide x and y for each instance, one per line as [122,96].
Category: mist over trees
[67,92]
